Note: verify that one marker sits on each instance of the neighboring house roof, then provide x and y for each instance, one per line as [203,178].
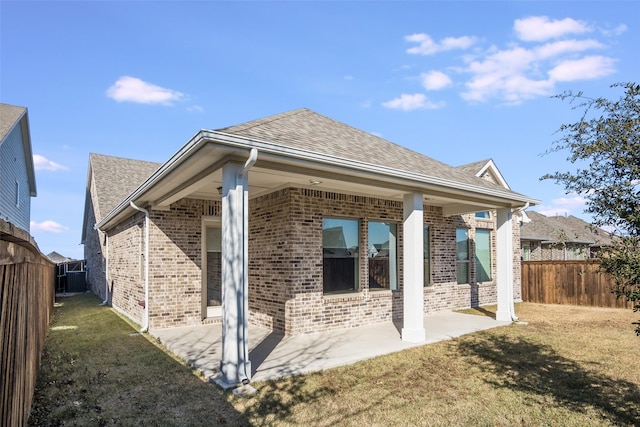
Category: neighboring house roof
[299,146]
[561,229]
[115,178]
[10,117]
[57,258]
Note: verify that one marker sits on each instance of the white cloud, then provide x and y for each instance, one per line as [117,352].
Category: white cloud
[540,28]
[562,206]
[427,46]
[557,51]
[41,163]
[47,226]
[133,89]
[614,31]
[195,109]
[553,49]
[435,80]
[518,74]
[407,102]
[587,68]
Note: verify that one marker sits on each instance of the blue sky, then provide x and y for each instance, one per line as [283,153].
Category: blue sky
[456,81]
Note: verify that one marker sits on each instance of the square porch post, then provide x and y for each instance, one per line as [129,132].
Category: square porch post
[234,364]
[504,267]
[413,269]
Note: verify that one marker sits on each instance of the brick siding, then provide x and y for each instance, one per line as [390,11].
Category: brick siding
[285,263]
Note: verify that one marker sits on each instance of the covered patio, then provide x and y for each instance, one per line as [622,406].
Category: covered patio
[275,356]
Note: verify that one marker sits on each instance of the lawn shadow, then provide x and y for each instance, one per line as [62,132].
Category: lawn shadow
[299,386]
[484,312]
[286,399]
[538,369]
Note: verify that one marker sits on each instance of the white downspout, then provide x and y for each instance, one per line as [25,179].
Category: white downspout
[253,157]
[145,325]
[106,273]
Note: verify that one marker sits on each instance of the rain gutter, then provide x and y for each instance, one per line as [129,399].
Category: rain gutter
[314,159]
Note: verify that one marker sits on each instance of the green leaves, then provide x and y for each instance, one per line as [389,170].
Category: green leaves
[607,139]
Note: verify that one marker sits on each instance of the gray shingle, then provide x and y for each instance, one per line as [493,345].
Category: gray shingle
[308,130]
[115,178]
[560,228]
[473,168]
[9,115]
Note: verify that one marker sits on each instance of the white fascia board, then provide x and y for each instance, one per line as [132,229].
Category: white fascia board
[415,179]
[242,144]
[495,172]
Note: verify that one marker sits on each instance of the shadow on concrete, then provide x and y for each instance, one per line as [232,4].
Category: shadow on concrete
[537,369]
[260,352]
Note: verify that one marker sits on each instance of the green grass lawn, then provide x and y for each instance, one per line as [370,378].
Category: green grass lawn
[569,366]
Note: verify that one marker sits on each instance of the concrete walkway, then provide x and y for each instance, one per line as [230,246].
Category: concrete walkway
[275,356]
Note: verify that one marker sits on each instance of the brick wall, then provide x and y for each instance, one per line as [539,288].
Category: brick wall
[286,275]
[125,263]
[175,276]
[285,263]
[94,250]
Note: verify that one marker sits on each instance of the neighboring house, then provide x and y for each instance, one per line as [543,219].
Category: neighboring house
[562,238]
[17,173]
[56,258]
[277,222]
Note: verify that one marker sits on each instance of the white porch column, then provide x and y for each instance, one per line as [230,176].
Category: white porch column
[234,365]
[504,266]
[413,269]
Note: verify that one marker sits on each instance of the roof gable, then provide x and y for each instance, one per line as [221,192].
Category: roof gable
[486,169]
[308,130]
[12,116]
[115,178]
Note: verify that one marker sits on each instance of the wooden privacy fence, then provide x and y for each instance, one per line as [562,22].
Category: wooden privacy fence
[568,282]
[27,292]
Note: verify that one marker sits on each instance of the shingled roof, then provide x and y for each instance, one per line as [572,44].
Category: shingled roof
[473,168]
[115,178]
[569,229]
[9,116]
[308,130]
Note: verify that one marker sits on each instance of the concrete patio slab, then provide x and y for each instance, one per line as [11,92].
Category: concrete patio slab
[275,356]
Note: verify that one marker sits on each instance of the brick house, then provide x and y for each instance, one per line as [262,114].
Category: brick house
[560,238]
[298,223]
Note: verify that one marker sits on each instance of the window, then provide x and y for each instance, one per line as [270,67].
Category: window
[340,264]
[526,251]
[214,266]
[462,255]
[426,254]
[483,214]
[483,255]
[17,194]
[383,255]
